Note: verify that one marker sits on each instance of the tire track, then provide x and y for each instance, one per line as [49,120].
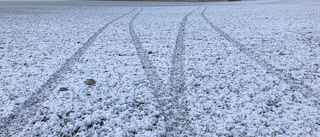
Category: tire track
[294,83]
[30,105]
[179,123]
[177,76]
[174,124]
[150,71]
[147,64]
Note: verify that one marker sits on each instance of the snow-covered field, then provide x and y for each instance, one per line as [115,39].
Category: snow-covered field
[248,68]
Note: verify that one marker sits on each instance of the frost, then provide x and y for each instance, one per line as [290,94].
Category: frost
[167,69]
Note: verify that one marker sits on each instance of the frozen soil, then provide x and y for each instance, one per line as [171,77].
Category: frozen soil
[247,68]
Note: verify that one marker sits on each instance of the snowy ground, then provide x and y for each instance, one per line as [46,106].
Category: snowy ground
[248,68]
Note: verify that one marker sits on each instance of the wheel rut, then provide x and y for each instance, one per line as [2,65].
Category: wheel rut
[147,64]
[294,83]
[149,69]
[175,117]
[179,123]
[30,105]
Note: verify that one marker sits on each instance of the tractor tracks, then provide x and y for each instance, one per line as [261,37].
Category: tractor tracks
[33,102]
[295,84]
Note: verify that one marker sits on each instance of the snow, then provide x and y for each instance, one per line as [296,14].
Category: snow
[245,68]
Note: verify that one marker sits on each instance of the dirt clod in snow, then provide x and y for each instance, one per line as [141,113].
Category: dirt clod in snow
[63,89]
[90,81]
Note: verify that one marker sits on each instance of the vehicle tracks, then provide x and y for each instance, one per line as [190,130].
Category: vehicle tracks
[177,76]
[176,116]
[295,84]
[147,64]
[179,123]
[150,71]
[33,102]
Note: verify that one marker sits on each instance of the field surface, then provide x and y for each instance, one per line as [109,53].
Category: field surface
[245,68]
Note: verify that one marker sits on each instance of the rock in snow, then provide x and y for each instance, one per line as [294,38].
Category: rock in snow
[90,81]
[63,89]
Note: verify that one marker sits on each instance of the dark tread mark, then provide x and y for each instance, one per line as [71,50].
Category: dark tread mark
[294,83]
[147,64]
[34,101]
[178,82]
[177,76]
[150,71]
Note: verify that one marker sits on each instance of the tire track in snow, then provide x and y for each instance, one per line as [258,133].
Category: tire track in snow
[147,64]
[295,84]
[30,105]
[177,76]
[150,71]
[178,123]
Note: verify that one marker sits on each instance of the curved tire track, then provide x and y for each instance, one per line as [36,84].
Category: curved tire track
[150,71]
[295,84]
[179,123]
[174,124]
[177,76]
[147,64]
[31,104]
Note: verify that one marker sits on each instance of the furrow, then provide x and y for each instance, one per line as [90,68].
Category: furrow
[30,105]
[294,83]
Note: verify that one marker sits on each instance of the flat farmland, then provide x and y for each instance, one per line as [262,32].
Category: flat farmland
[106,68]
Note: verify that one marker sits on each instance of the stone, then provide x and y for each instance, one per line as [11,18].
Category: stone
[90,81]
[197,85]
[63,89]
[281,53]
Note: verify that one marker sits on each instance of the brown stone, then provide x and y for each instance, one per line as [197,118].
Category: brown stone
[90,81]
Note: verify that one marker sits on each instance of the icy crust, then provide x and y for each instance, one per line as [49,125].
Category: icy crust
[119,104]
[229,94]
[36,42]
[286,37]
